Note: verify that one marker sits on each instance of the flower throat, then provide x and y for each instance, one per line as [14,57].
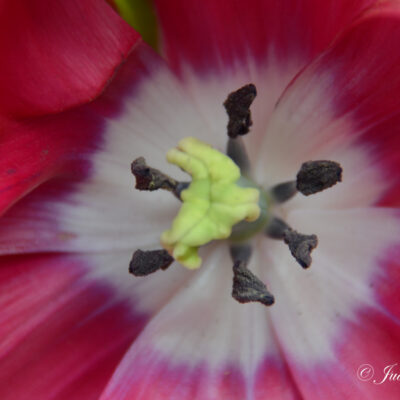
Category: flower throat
[222,202]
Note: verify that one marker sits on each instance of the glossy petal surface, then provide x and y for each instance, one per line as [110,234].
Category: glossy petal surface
[38,78]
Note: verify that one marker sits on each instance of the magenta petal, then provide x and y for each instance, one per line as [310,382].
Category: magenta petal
[344,311]
[210,34]
[153,377]
[62,334]
[345,106]
[387,282]
[274,380]
[58,54]
[62,159]
[370,341]
[367,86]
[349,95]
[202,345]
[38,149]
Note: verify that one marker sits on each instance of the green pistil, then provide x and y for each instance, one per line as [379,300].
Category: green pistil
[212,204]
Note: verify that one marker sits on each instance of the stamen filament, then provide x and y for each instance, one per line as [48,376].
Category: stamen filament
[240,252]
[237,152]
[276,228]
[283,191]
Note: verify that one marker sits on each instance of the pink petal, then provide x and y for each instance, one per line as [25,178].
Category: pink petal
[345,106]
[154,377]
[370,341]
[337,315]
[61,332]
[177,346]
[217,46]
[387,282]
[35,150]
[217,34]
[92,145]
[49,69]
[38,149]
[57,54]
[203,345]
[144,112]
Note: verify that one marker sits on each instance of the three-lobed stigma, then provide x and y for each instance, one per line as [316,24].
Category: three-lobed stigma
[212,204]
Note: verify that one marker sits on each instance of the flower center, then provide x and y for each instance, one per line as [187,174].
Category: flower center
[223,202]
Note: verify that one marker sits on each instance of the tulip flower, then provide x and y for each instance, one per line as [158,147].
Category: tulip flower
[82,97]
